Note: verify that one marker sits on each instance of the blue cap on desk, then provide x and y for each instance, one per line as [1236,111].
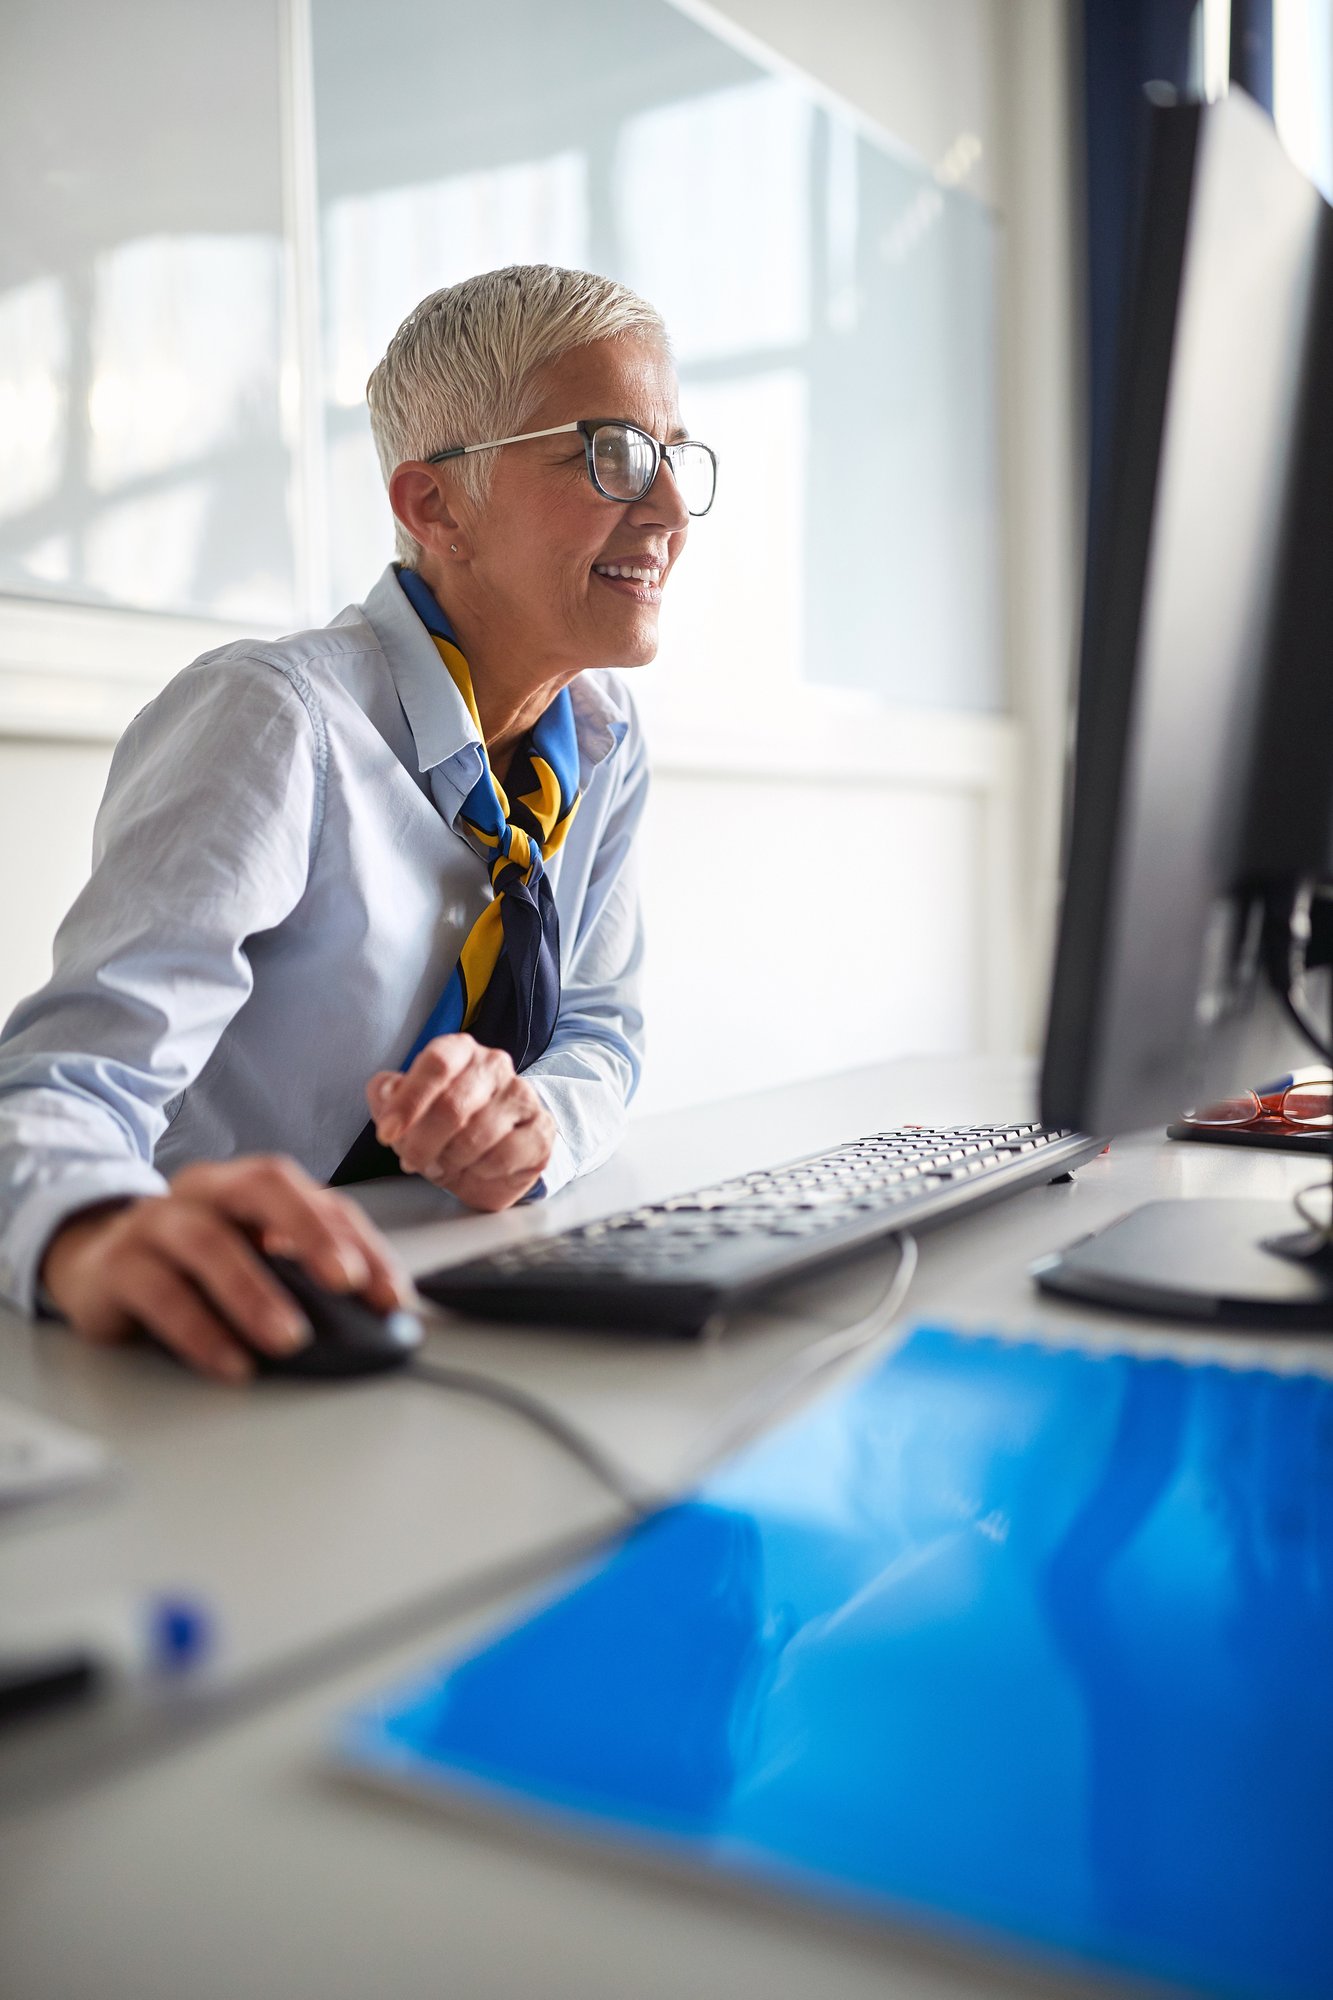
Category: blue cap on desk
[180,1633]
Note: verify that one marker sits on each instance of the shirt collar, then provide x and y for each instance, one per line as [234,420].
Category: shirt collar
[436,713]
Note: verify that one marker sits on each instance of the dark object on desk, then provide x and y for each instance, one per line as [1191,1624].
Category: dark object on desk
[1202,826]
[674,1266]
[1284,1139]
[1228,1263]
[351,1337]
[27,1689]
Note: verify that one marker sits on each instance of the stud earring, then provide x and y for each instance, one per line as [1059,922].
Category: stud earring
[453,548]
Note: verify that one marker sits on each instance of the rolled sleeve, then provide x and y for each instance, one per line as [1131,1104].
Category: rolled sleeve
[204,839]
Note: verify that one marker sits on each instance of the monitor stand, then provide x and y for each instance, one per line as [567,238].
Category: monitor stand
[1231,1263]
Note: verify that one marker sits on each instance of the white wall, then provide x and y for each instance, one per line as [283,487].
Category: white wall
[836,963]
[821,967]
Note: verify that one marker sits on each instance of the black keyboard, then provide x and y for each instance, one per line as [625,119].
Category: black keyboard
[675,1265]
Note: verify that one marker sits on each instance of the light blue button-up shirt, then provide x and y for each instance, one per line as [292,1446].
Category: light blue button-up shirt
[278,896]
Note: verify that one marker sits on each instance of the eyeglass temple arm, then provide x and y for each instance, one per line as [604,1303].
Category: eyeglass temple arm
[493,444]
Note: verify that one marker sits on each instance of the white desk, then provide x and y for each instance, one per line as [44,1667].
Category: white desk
[234,1863]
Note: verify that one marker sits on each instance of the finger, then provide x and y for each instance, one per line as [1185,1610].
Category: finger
[360,1247]
[170,1309]
[527,1146]
[382,1084]
[223,1265]
[439,1151]
[387,1284]
[437,1066]
[381,1089]
[488,1076]
[509,1169]
[295,1217]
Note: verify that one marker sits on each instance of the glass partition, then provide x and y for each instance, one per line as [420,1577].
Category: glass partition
[832,305]
[142,273]
[831,301]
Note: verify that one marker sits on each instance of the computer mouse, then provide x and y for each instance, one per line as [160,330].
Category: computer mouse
[351,1337]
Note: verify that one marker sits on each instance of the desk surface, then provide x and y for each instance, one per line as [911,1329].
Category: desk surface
[234,1862]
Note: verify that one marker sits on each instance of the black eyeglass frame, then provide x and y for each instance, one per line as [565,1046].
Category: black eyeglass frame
[587,427]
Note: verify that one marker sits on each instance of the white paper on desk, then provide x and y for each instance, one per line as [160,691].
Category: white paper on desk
[39,1456]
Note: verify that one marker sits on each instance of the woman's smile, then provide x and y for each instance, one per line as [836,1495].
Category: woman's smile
[640,576]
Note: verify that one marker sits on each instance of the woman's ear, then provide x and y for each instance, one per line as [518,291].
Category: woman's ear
[419,500]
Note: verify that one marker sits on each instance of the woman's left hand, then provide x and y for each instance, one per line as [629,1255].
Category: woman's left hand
[462,1118]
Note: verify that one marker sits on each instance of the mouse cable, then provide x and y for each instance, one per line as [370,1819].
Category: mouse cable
[1290,934]
[639,1499]
[737,1426]
[1320,1226]
[1305,1022]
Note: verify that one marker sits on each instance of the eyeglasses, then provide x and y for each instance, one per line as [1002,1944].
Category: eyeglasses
[622,460]
[1304,1105]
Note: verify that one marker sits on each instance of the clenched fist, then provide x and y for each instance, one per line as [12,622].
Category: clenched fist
[462,1118]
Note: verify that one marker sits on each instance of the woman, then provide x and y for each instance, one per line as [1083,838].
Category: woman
[386,866]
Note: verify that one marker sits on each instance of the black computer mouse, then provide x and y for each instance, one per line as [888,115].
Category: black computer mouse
[351,1337]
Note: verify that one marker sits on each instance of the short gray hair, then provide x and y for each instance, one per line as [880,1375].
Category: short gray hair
[462,367]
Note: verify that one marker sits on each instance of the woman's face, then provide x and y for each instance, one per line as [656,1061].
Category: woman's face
[540,544]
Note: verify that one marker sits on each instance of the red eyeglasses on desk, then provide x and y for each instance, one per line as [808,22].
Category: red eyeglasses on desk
[1295,1113]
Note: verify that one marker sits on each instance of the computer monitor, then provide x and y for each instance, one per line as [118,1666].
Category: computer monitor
[1203,771]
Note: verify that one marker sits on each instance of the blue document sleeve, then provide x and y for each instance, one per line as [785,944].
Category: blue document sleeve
[1025,1643]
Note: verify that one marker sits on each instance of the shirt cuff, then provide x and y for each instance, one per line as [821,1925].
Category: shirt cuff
[559,1170]
[38,1219]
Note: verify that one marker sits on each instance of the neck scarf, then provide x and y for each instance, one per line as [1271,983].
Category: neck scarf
[505,988]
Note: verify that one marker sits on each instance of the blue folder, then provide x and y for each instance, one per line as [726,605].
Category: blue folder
[1022,1643]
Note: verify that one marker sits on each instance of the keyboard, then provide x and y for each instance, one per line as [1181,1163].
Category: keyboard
[674,1267]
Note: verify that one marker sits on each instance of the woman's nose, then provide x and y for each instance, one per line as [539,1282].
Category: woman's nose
[662,505]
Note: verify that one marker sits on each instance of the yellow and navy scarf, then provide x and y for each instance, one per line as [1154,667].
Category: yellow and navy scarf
[505,988]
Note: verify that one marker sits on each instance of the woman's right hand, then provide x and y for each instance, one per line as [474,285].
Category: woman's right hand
[182,1265]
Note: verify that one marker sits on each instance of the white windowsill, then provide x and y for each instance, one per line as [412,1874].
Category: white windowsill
[76,672]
